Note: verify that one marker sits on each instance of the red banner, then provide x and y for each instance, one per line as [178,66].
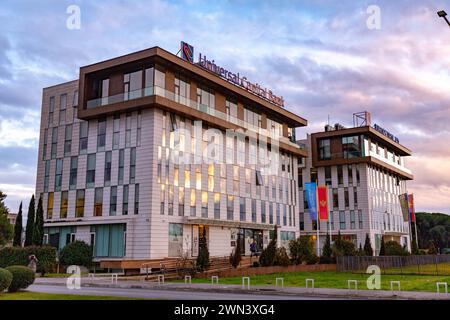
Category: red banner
[411,207]
[322,199]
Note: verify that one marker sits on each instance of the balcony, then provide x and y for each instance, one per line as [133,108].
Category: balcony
[161,92]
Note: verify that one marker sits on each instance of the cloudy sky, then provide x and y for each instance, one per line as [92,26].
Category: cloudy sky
[320,55]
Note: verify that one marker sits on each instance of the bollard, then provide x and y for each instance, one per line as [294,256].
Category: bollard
[186,278]
[397,283]
[281,280]
[214,278]
[350,282]
[160,279]
[308,281]
[248,282]
[438,284]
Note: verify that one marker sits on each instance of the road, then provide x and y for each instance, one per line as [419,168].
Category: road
[164,294]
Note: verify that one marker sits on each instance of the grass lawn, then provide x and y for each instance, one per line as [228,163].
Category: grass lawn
[338,280]
[26,295]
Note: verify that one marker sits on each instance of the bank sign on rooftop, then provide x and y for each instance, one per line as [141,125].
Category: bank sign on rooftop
[187,53]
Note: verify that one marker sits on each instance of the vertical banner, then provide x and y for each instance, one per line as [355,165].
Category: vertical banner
[403,198]
[412,212]
[311,198]
[322,194]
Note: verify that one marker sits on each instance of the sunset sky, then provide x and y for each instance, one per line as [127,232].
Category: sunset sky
[319,55]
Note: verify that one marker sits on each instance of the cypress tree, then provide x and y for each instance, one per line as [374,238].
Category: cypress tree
[18,229]
[30,223]
[38,232]
[368,246]
[383,247]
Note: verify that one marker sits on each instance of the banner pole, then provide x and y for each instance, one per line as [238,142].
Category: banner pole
[318,218]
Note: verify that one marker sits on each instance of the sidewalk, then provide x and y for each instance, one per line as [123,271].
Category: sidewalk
[261,290]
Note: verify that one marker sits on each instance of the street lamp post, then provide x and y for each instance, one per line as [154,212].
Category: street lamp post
[443,14]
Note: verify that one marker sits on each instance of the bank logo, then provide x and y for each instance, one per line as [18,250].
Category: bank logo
[187,52]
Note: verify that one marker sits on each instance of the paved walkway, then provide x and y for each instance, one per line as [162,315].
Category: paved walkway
[238,289]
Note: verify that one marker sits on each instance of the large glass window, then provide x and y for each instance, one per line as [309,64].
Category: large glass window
[263,212]
[181,201]
[113,201]
[116,132]
[217,205]
[182,90]
[342,223]
[125,200]
[73,173]
[58,174]
[230,207]
[121,166]
[132,85]
[90,171]
[242,209]
[84,128]
[204,204]
[68,140]
[51,111]
[101,135]
[231,109]
[328,176]
[350,147]
[79,209]
[205,99]
[132,165]
[64,204]
[50,205]
[175,239]
[136,198]
[324,149]
[62,108]
[54,142]
[108,165]
[252,118]
[98,202]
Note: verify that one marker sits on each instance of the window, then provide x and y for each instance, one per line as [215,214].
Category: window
[252,118]
[84,128]
[357,175]
[50,205]
[182,90]
[175,239]
[136,198]
[346,198]
[211,177]
[125,201]
[300,178]
[328,176]
[108,165]
[253,210]
[275,128]
[58,174]
[116,131]
[46,175]
[342,220]
[132,85]
[133,165]
[193,203]
[331,220]
[198,179]
[278,214]
[204,204]
[90,171]
[340,175]
[68,140]
[121,166]
[113,201]
[242,209]
[98,202]
[259,179]
[335,199]
[181,201]
[128,130]
[44,147]
[263,212]
[170,208]
[51,111]
[187,178]
[79,209]
[74,105]
[217,205]
[163,198]
[54,142]
[104,91]
[64,204]
[360,219]
[352,220]
[73,173]
[271,213]
[139,129]
[205,99]
[231,109]
[101,135]
[350,147]
[230,207]
[62,108]
[350,174]
[284,215]
[302,221]
[355,197]
[324,149]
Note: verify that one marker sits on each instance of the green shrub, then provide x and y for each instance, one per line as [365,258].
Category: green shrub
[255,264]
[22,278]
[301,249]
[282,258]
[46,256]
[235,257]
[344,248]
[203,255]
[76,253]
[393,248]
[5,279]
[312,259]
[267,257]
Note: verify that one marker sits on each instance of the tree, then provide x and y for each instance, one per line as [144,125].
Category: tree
[393,248]
[30,224]
[76,253]
[18,228]
[383,247]
[6,229]
[327,252]
[368,251]
[38,231]
[414,248]
[433,226]
[267,257]
[431,248]
[301,249]
[235,257]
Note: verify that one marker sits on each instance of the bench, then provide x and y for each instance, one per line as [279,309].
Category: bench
[165,268]
[113,276]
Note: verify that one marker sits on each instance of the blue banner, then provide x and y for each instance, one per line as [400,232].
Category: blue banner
[311,198]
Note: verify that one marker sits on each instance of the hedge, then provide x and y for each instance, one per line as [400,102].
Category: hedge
[46,256]
[5,279]
[22,278]
[76,253]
